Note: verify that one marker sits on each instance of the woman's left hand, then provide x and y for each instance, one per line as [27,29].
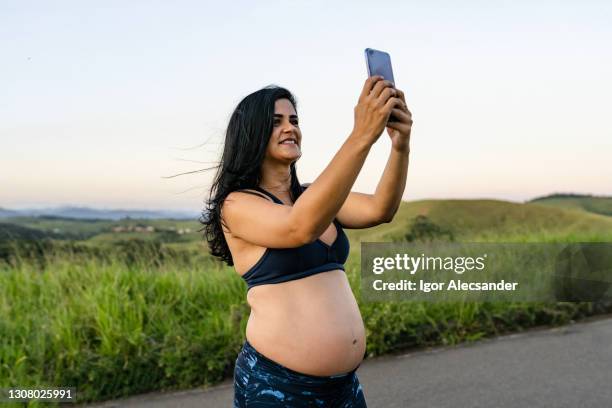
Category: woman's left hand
[400,131]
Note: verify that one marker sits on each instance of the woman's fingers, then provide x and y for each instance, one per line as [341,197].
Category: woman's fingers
[391,104]
[384,96]
[403,123]
[402,127]
[402,116]
[368,85]
[400,94]
[380,87]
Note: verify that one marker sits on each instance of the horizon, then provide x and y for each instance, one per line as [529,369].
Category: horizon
[187,210]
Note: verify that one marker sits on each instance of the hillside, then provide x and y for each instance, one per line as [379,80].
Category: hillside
[593,204]
[494,220]
[13,232]
[89,228]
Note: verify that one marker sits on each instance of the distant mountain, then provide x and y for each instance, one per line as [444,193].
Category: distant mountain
[585,202]
[4,213]
[92,213]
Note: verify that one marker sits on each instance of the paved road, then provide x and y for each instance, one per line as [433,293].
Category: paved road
[570,366]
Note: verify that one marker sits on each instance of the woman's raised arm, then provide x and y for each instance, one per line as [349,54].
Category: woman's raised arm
[267,224]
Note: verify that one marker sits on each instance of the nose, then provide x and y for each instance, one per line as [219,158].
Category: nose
[289,127]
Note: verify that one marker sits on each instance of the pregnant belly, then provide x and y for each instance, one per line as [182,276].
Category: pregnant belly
[310,325]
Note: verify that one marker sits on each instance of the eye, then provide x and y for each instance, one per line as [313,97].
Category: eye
[295,122]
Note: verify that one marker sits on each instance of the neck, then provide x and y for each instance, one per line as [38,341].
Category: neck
[275,177]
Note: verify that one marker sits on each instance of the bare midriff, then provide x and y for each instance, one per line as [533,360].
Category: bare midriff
[310,325]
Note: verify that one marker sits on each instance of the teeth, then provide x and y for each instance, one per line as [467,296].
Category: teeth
[288,141]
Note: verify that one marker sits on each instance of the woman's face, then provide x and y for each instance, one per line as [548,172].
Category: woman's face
[285,127]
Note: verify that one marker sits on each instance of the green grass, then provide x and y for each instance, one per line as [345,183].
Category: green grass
[494,221]
[113,328]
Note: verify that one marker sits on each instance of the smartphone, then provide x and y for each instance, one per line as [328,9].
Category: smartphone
[379,63]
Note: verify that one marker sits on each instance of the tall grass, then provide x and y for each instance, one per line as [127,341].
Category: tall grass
[113,330]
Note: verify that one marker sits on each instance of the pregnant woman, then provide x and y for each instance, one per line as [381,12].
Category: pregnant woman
[305,337]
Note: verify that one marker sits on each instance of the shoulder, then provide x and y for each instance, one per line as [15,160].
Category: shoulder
[239,201]
[243,197]
[245,193]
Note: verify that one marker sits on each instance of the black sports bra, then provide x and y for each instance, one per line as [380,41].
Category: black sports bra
[284,264]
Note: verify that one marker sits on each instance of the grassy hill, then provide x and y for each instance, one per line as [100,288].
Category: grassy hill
[13,231]
[593,204]
[494,220]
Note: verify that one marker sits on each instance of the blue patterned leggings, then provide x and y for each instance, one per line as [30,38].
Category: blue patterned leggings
[260,382]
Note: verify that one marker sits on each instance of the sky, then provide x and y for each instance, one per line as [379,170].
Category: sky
[105,104]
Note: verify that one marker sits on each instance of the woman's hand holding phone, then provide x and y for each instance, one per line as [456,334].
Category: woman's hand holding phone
[377,100]
[399,129]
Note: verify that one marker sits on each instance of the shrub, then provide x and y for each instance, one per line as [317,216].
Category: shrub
[423,229]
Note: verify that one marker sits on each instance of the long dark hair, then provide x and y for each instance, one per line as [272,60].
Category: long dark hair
[246,141]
